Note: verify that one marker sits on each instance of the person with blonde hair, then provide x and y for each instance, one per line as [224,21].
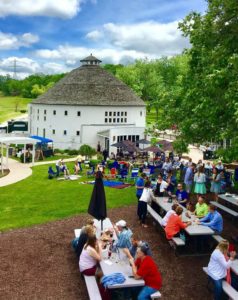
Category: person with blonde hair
[218,267]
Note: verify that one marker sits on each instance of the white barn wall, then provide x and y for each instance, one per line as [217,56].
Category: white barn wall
[89,123]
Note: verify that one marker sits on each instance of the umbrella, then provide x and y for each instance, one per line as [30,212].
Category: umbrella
[166,145]
[97,206]
[144,142]
[126,146]
[153,149]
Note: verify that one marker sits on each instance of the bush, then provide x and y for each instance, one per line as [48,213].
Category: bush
[87,151]
[73,152]
[23,111]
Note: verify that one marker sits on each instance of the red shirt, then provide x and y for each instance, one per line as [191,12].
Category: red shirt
[174,225]
[148,270]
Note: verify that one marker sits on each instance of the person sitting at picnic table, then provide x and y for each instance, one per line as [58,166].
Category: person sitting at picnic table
[200,181]
[201,208]
[213,219]
[161,186]
[175,224]
[90,256]
[181,195]
[123,235]
[172,211]
[146,197]
[218,267]
[145,268]
[135,243]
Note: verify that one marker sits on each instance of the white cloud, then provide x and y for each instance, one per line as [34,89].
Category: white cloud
[95,35]
[150,38]
[72,55]
[9,41]
[26,66]
[50,8]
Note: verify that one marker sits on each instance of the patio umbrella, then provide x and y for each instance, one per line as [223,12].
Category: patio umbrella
[97,206]
[144,142]
[126,145]
[153,149]
[166,145]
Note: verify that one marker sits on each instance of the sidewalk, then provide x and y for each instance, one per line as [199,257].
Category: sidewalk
[20,171]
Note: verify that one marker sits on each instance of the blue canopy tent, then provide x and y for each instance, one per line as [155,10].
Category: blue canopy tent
[42,145]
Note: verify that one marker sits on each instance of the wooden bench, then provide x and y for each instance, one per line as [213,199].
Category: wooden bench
[229,290]
[175,241]
[92,287]
[154,214]
[226,209]
[156,295]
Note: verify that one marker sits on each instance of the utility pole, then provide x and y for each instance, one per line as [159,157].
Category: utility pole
[14,66]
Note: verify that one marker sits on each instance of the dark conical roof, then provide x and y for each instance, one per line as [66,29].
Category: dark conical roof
[91,58]
[90,85]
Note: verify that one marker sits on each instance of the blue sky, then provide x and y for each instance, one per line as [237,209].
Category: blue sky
[51,36]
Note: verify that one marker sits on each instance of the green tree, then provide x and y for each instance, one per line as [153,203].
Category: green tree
[209,103]
[87,151]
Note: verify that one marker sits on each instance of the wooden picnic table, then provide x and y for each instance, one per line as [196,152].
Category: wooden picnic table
[193,229]
[230,198]
[118,262]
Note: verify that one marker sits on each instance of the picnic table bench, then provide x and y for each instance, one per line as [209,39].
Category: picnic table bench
[233,213]
[92,288]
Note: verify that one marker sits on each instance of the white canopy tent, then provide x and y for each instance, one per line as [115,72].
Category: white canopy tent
[16,140]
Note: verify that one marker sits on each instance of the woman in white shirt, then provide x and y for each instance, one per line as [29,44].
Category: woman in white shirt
[168,214]
[218,266]
[146,197]
[90,256]
[161,186]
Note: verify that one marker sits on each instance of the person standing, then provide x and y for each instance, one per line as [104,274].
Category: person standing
[215,183]
[218,267]
[105,154]
[188,178]
[200,180]
[146,197]
[139,188]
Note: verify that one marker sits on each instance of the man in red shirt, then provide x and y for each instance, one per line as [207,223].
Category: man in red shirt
[145,268]
[175,224]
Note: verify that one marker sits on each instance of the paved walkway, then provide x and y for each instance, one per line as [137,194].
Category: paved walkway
[20,171]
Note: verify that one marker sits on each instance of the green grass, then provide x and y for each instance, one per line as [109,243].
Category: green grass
[8,107]
[38,200]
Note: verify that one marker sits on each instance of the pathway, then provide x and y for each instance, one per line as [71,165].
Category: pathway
[20,171]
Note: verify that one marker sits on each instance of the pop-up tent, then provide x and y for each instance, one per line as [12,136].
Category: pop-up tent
[7,141]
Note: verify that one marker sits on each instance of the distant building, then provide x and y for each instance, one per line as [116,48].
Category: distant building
[87,106]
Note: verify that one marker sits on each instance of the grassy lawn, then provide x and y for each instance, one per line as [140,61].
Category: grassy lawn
[37,199]
[8,107]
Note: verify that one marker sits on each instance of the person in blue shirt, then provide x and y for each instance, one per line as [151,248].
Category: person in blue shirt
[213,219]
[188,178]
[123,235]
[140,183]
[181,195]
[136,242]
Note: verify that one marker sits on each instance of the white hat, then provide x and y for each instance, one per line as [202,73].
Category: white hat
[121,223]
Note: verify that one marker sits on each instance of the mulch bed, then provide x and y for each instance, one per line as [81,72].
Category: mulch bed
[38,262]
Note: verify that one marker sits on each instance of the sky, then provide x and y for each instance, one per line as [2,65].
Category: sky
[52,36]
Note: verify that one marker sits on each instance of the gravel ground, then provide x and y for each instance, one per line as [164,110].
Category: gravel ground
[38,262]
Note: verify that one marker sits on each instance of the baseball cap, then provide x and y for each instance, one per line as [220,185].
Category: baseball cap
[121,223]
